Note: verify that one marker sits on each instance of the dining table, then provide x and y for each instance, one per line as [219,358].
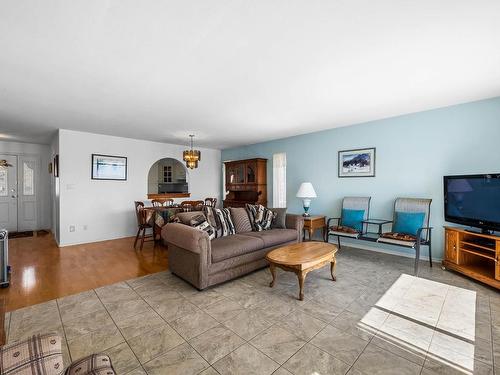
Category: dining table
[158,217]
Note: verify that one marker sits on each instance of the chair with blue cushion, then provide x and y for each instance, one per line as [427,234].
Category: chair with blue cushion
[410,227]
[350,223]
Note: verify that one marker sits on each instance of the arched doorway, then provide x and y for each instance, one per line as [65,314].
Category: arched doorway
[168,176]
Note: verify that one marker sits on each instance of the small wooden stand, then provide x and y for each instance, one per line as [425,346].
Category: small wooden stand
[313,223]
[473,254]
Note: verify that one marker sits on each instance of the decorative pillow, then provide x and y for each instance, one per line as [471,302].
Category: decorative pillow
[201,223]
[95,364]
[353,219]
[279,221]
[37,352]
[408,222]
[186,217]
[240,219]
[225,226]
[260,217]
[210,215]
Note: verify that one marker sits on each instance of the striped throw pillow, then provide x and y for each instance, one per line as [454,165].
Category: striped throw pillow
[221,217]
[261,217]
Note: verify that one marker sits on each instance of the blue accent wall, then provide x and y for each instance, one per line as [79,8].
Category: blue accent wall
[413,153]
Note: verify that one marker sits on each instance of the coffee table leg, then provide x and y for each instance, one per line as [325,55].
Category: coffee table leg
[272,268]
[332,269]
[302,277]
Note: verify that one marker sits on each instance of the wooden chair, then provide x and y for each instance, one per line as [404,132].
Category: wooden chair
[348,203]
[167,202]
[191,205]
[211,202]
[142,225]
[423,236]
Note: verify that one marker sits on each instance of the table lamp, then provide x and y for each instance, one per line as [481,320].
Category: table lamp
[306,192]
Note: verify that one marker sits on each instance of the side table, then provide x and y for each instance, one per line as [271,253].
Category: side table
[313,223]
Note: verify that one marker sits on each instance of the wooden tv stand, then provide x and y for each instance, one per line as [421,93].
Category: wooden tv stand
[473,254]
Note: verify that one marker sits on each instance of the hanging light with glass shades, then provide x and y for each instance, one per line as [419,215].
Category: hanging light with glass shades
[191,157]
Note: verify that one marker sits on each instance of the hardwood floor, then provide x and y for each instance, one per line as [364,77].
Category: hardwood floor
[41,271]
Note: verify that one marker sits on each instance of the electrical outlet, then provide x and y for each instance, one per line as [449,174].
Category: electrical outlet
[71,228]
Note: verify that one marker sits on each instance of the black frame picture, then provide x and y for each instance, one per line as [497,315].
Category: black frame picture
[114,168]
[361,162]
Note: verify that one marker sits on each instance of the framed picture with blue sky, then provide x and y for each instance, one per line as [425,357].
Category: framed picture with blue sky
[357,163]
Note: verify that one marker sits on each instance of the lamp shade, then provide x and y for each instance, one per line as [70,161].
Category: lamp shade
[306,190]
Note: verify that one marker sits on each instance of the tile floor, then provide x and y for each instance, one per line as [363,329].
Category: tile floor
[375,319]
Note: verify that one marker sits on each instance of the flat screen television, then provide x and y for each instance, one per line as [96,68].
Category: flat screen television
[473,200]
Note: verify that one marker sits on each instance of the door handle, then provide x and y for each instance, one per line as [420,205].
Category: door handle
[13,196]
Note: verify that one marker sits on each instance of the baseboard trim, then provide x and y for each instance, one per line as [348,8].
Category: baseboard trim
[385,251]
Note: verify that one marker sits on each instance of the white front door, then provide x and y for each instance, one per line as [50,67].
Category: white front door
[27,195]
[8,194]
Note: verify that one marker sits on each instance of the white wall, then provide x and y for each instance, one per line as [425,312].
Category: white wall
[42,152]
[107,207]
[54,189]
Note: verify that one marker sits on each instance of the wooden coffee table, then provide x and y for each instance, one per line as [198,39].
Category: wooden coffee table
[301,258]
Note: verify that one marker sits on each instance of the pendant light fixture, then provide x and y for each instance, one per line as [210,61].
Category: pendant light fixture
[191,157]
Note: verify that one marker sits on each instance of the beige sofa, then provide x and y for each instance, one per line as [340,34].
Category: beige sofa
[204,262]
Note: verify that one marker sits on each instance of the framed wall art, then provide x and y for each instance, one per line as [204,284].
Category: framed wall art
[109,167]
[357,163]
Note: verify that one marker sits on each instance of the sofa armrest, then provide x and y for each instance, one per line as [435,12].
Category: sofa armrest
[296,222]
[186,237]
[189,253]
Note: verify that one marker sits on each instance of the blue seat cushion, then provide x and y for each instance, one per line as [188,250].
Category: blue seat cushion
[353,219]
[408,222]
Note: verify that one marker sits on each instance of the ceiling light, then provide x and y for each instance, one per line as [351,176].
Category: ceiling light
[191,157]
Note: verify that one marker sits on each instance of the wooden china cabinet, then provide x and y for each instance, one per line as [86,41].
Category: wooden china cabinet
[246,182]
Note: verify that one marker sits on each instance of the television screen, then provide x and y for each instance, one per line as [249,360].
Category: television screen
[473,200]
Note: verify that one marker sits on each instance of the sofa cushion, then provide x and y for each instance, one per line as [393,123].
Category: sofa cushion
[279,221]
[240,219]
[274,237]
[186,217]
[39,354]
[94,364]
[233,246]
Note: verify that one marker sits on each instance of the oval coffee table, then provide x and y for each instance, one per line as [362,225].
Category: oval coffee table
[301,258]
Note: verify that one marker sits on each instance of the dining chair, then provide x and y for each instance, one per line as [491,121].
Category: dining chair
[211,202]
[191,205]
[142,224]
[167,202]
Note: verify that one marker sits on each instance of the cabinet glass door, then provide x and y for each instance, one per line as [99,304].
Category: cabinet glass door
[239,174]
[251,173]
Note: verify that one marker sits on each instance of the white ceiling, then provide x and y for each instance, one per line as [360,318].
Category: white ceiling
[237,72]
